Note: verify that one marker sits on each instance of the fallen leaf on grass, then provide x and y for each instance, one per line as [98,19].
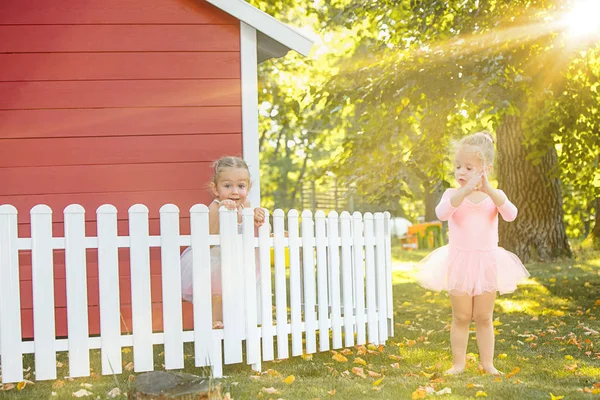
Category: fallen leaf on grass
[114,393]
[360,361]
[422,392]
[395,365]
[21,385]
[331,392]
[289,380]
[82,393]
[58,384]
[346,352]
[513,372]
[553,397]
[339,358]
[129,366]
[474,385]
[373,374]
[359,372]
[307,357]
[8,386]
[481,393]
[270,390]
[444,391]
[502,356]
[378,381]
[271,372]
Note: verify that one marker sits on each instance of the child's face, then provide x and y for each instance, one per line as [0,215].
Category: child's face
[467,163]
[232,184]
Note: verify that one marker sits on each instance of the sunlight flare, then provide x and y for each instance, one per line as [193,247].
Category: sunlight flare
[583,19]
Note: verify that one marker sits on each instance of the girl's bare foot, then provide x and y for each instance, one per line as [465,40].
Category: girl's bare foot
[455,370]
[490,369]
[217,325]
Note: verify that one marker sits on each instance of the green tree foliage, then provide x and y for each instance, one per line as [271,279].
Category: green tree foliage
[392,82]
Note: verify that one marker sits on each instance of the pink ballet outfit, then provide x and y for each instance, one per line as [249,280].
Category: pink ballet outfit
[472,263]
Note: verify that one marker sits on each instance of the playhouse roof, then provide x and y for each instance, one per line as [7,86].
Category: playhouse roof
[274,37]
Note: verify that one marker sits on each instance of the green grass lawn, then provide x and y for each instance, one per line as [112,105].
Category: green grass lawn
[547,343]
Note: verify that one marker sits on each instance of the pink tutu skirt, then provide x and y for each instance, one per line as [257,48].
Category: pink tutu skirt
[471,272]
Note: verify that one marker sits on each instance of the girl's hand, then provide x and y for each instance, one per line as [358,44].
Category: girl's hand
[474,183]
[229,204]
[486,186]
[259,216]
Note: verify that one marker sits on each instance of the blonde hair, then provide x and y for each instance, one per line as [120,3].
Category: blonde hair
[229,162]
[484,143]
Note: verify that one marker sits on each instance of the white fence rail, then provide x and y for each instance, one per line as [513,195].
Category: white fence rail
[339,281]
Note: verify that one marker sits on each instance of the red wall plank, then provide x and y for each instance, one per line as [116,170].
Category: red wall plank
[101,66]
[104,178]
[149,93]
[111,11]
[111,38]
[119,121]
[115,150]
[184,199]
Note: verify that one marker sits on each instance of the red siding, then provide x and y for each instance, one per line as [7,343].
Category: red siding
[113,101]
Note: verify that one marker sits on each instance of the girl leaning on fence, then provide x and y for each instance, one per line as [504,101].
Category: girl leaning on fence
[230,186]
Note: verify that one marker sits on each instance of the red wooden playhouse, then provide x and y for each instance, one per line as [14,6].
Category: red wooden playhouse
[125,102]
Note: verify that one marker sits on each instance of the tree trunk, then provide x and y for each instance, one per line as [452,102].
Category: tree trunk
[596,230]
[539,229]
[432,198]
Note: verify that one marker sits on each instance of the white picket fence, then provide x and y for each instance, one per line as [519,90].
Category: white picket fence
[339,283]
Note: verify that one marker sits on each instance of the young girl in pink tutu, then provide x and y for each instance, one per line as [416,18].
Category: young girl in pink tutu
[472,268]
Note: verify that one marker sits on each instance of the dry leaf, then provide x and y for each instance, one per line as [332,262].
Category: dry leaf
[59,364]
[272,372]
[58,384]
[481,393]
[131,378]
[307,357]
[513,372]
[395,365]
[126,350]
[270,390]
[86,385]
[359,372]
[21,385]
[339,358]
[129,366]
[553,397]
[501,356]
[8,386]
[360,361]
[394,357]
[289,380]
[373,374]
[114,393]
[378,381]
[444,391]
[420,393]
[82,393]
[472,385]
[331,392]
[346,352]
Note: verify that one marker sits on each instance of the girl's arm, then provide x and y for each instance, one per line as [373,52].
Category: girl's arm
[445,209]
[505,207]
[500,199]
